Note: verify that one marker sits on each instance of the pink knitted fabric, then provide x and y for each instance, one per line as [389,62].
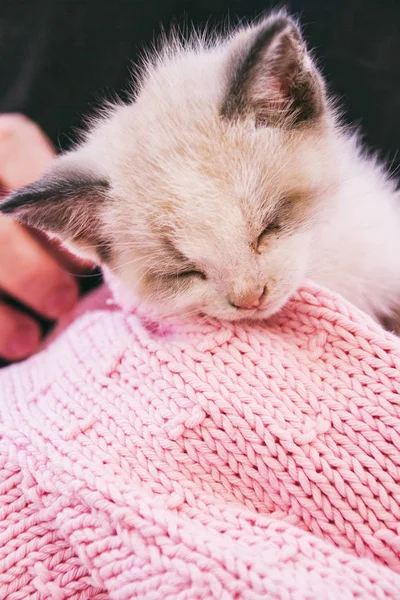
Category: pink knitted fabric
[200,461]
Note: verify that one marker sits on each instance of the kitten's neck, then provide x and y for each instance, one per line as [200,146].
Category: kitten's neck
[358,240]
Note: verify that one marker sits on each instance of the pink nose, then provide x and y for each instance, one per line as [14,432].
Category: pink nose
[250,300]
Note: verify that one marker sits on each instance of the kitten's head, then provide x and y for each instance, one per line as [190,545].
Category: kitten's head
[201,194]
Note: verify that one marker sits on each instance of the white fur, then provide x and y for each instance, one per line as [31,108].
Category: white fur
[177,169]
[357,246]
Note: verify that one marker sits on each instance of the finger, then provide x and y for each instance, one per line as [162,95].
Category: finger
[19,334]
[30,274]
[25,151]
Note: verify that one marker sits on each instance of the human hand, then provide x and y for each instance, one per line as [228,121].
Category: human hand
[31,266]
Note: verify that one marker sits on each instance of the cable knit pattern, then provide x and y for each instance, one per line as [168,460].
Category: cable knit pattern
[200,461]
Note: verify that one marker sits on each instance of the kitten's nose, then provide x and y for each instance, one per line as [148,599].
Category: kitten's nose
[249,300]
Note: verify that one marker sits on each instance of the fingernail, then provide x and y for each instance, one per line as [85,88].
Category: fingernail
[23,342]
[61,301]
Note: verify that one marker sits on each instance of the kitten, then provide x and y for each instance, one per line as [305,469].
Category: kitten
[225,183]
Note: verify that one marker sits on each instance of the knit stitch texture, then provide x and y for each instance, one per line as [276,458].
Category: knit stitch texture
[204,461]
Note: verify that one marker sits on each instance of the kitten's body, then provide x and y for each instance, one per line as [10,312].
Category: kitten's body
[357,247]
[226,141]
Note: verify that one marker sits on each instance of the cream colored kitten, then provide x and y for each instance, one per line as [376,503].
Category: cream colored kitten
[225,183]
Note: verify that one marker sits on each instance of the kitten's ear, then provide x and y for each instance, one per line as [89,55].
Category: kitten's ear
[274,79]
[65,203]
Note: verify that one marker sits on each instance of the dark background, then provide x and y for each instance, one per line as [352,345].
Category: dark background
[58,58]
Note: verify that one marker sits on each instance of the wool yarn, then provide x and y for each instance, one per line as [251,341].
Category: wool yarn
[203,461]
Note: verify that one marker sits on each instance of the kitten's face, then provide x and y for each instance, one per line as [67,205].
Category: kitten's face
[203,194]
[228,216]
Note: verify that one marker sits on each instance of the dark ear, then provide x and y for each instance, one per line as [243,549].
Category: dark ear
[65,204]
[273,78]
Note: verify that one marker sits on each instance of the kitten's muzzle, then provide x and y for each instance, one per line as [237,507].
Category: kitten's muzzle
[250,300]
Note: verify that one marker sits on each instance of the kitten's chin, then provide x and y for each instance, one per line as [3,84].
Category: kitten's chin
[262,314]
[247,315]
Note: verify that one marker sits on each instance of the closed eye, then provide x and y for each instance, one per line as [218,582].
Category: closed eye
[177,255]
[191,273]
[268,230]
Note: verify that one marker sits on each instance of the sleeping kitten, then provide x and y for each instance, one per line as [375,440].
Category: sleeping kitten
[225,183]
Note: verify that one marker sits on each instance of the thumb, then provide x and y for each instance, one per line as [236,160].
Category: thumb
[25,154]
[25,151]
